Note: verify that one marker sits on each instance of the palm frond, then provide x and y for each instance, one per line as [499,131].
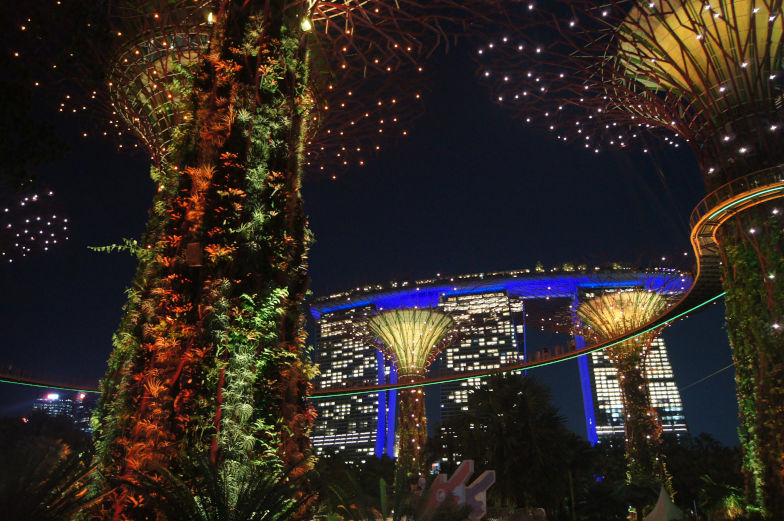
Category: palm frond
[204,491]
[45,483]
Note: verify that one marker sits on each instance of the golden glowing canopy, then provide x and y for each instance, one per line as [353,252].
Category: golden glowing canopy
[613,314]
[697,46]
[412,338]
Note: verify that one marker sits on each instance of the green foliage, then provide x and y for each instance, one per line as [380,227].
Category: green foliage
[131,246]
[703,471]
[203,491]
[331,473]
[512,427]
[248,431]
[363,493]
[752,276]
[44,470]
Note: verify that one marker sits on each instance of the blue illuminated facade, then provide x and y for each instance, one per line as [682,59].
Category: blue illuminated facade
[497,305]
[588,398]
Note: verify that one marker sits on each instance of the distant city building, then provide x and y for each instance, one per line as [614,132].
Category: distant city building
[54,405]
[355,426]
[75,407]
[363,425]
[489,343]
[608,404]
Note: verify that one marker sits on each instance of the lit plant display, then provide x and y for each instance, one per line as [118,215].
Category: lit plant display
[704,74]
[233,101]
[411,339]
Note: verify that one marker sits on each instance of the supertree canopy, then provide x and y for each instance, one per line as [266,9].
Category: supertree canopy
[149,73]
[611,315]
[367,59]
[704,73]
[606,75]
[228,97]
[411,339]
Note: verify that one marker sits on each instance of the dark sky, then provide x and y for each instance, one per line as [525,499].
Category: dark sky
[470,190]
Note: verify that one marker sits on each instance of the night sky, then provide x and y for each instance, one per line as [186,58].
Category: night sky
[470,190]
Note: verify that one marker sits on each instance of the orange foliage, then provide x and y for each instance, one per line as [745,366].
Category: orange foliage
[216,252]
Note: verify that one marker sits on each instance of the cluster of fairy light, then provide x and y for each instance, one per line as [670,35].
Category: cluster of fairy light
[374,92]
[369,96]
[73,103]
[606,75]
[412,338]
[351,128]
[29,226]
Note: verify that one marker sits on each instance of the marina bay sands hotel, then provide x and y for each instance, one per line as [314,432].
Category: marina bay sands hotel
[502,308]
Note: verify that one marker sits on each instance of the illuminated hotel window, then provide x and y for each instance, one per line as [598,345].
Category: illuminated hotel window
[495,305]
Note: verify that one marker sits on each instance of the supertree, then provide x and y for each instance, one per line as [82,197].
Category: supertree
[411,339]
[228,96]
[703,73]
[608,316]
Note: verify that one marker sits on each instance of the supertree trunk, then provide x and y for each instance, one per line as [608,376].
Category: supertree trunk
[752,248]
[209,357]
[412,432]
[644,458]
